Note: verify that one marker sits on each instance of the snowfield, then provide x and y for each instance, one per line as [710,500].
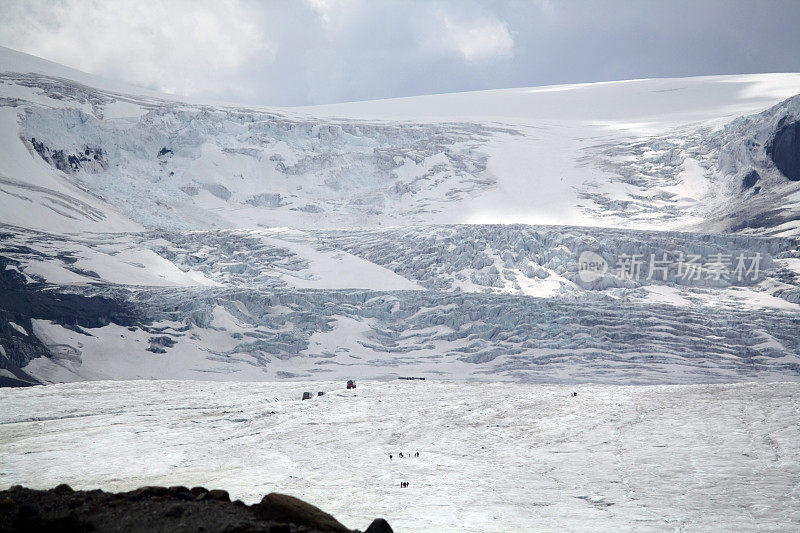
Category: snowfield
[493,456]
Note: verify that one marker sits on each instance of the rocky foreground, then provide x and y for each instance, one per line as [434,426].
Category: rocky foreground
[154,509]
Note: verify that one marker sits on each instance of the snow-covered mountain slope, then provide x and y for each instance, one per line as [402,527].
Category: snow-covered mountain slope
[648,154]
[142,236]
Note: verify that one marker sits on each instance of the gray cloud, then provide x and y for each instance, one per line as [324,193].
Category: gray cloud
[321,51]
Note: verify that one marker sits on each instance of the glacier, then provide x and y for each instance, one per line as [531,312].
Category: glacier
[498,302]
[493,456]
[438,237]
[179,272]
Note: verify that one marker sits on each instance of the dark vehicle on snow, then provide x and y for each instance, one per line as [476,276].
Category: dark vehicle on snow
[351,384]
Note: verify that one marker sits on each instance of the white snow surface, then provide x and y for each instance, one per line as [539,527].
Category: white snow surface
[251,243]
[644,154]
[464,302]
[628,104]
[266,247]
[493,457]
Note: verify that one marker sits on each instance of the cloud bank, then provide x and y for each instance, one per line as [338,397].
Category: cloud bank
[321,51]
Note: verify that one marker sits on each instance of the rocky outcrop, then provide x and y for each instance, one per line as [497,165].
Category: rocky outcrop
[750,179]
[160,509]
[784,149]
[22,302]
[284,508]
[88,158]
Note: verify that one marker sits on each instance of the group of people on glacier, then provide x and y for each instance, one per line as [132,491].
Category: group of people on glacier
[401,455]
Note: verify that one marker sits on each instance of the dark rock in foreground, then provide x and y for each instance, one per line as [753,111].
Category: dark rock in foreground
[160,509]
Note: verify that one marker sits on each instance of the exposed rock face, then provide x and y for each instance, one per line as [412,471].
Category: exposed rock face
[20,302]
[750,179]
[87,158]
[784,150]
[157,344]
[289,509]
[157,509]
[379,525]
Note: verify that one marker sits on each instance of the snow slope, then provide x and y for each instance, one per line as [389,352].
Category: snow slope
[493,457]
[645,105]
[143,236]
[638,153]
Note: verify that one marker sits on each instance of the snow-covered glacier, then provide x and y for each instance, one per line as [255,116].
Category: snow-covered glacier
[493,457]
[144,236]
[600,284]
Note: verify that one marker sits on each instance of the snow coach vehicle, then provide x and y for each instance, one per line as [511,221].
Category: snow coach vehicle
[351,384]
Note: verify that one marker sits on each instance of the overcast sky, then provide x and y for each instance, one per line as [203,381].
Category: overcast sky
[298,52]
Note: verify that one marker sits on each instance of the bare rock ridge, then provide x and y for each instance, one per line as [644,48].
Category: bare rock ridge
[161,509]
